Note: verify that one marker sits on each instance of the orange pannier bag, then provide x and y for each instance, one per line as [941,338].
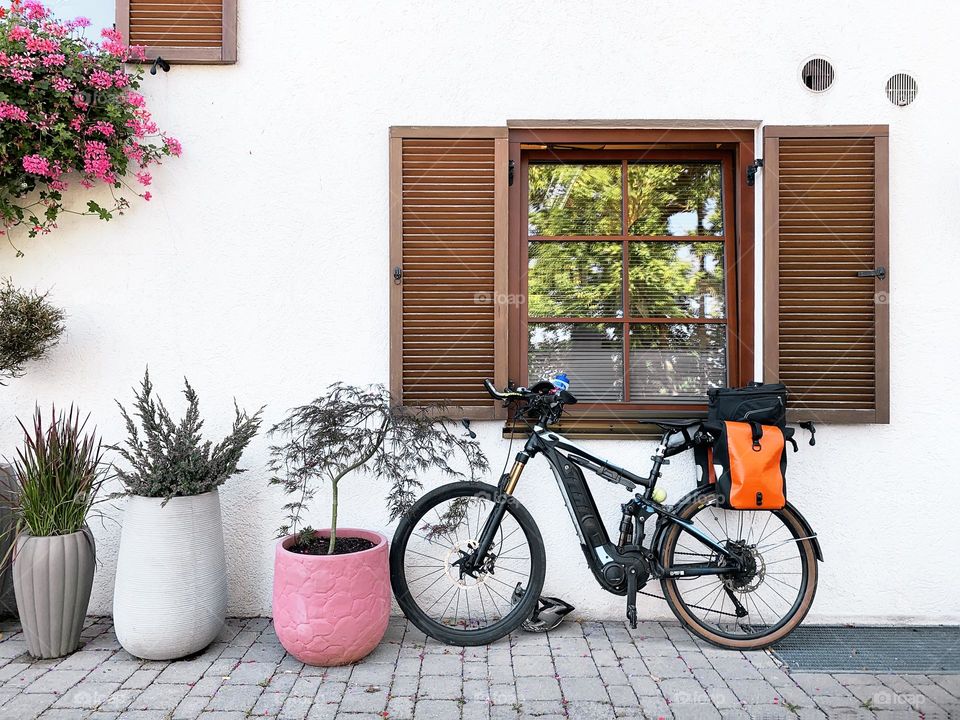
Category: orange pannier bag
[750,462]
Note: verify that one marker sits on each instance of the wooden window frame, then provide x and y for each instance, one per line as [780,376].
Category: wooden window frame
[735,141]
[226,54]
[771,258]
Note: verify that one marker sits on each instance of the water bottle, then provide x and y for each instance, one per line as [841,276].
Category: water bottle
[561,382]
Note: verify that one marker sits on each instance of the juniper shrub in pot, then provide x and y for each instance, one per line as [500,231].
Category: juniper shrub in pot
[170,598]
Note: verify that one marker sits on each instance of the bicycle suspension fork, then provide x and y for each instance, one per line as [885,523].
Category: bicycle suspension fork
[508,484]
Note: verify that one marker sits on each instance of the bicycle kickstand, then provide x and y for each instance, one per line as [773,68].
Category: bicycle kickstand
[632,597]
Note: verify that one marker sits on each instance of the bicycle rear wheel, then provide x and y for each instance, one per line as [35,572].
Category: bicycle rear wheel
[455,607]
[776,590]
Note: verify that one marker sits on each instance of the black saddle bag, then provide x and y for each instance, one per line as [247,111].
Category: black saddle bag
[760,403]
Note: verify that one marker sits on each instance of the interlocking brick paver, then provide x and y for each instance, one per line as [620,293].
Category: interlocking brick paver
[87,694]
[588,671]
[160,697]
[235,697]
[55,681]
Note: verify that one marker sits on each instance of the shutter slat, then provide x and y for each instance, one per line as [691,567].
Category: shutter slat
[448,226]
[825,333]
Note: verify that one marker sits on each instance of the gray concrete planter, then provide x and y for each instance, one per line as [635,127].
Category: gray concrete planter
[8,490]
[170,596]
[52,578]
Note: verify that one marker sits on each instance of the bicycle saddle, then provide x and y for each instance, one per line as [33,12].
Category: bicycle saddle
[675,424]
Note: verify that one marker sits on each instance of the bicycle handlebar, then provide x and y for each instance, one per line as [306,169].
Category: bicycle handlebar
[564,396]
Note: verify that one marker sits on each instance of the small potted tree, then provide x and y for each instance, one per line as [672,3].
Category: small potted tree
[29,326]
[170,596]
[331,587]
[58,471]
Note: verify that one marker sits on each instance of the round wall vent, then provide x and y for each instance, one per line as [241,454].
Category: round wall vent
[901,89]
[817,74]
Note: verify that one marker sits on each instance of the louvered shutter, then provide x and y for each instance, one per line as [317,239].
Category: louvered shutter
[448,220]
[184,31]
[826,329]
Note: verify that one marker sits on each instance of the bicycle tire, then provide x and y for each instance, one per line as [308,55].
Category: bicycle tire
[797,528]
[451,636]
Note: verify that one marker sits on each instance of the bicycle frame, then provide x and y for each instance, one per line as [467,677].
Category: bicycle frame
[602,555]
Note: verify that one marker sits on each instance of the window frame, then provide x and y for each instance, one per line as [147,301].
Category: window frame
[736,148]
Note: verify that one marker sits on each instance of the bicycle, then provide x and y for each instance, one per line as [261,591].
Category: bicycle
[463,575]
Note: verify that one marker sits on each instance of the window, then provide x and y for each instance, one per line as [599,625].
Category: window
[196,31]
[629,261]
[623,254]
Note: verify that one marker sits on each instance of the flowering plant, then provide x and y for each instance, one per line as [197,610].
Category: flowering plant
[68,105]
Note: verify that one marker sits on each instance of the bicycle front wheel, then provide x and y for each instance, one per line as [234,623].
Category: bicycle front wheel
[757,605]
[466,608]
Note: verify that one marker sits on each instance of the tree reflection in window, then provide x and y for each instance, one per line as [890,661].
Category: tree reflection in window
[572,279]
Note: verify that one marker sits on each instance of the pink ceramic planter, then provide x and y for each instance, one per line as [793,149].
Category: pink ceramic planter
[332,609]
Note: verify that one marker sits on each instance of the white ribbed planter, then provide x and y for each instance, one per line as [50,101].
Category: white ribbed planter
[170,598]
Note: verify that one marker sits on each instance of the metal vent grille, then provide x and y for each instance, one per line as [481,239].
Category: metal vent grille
[826,648]
[901,89]
[817,74]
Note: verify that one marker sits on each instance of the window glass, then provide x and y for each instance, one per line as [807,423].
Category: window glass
[676,362]
[629,315]
[575,279]
[572,199]
[674,199]
[591,354]
[669,279]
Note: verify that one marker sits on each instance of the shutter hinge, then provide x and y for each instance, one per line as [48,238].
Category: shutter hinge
[397,275]
[752,171]
[510,173]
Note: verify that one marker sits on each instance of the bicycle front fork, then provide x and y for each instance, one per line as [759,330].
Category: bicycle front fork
[508,484]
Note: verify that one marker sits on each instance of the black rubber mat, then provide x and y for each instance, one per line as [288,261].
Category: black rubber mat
[834,648]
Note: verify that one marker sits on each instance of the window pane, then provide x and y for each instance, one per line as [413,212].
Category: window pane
[591,354]
[575,279]
[574,199]
[676,362]
[674,199]
[678,280]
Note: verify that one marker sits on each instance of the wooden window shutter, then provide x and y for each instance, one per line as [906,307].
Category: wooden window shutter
[183,31]
[826,319]
[448,275]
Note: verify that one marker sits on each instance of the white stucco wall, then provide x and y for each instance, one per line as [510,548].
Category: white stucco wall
[260,268]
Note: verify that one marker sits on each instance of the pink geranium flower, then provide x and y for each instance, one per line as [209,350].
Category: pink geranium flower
[36,165]
[101,79]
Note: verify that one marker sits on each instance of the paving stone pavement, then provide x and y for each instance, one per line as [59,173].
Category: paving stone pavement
[588,670]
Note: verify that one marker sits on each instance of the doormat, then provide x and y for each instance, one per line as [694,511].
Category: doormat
[839,648]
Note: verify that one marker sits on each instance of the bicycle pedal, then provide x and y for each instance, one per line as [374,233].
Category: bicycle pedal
[632,617]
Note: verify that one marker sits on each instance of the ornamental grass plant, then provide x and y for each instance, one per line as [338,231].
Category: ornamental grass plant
[58,474]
